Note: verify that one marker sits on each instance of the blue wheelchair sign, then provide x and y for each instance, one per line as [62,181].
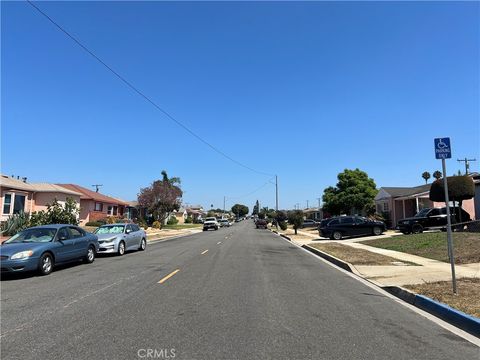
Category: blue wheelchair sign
[442,148]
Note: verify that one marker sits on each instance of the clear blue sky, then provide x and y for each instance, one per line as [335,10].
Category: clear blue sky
[302,90]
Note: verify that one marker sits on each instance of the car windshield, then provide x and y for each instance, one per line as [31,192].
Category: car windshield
[210,219]
[33,235]
[110,229]
[422,213]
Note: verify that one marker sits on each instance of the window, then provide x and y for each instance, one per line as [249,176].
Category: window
[18,203]
[347,220]
[110,210]
[135,227]
[360,220]
[385,206]
[130,228]
[115,210]
[434,212]
[75,233]
[63,234]
[334,222]
[98,206]
[7,202]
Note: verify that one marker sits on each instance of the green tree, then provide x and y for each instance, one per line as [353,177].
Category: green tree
[354,191]
[240,210]
[295,218]
[161,197]
[437,174]
[56,214]
[426,176]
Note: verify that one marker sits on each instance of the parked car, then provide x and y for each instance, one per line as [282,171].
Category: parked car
[118,238]
[261,224]
[310,223]
[224,223]
[210,223]
[41,248]
[338,227]
[431,218]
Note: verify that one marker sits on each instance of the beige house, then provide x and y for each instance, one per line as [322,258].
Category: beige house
[19,195]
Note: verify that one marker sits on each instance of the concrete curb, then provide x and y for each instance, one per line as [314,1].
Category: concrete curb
[173,237]
[455,317]
[340,263]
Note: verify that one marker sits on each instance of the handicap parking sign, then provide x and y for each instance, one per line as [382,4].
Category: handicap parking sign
[442,148]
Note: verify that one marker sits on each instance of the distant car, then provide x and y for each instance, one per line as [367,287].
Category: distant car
[261,224]
[210,223]
[338,227]
[224,223]
[310,223]
[432,218]
[43,247]
[119,238]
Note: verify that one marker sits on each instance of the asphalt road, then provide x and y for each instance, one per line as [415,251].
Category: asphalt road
[252,295]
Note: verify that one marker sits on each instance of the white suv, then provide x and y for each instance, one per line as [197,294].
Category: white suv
[210,223]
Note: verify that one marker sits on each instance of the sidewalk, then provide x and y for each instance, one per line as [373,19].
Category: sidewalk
[392,275]
[169,233]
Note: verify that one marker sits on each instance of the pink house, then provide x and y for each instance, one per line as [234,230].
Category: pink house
[95,206]
[18,195]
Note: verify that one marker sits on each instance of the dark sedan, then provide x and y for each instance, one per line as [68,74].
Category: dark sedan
[338,227]
[41,248]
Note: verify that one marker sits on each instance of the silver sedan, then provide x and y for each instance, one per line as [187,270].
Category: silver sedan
[118,238]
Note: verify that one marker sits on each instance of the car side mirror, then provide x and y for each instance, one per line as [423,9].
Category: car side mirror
[128,231]
[62,238]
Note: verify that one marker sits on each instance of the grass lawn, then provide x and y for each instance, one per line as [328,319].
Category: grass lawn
[468,290]
[182,226]
[434,246]
[356,256]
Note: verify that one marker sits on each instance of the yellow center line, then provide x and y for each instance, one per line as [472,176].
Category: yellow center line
[204,252]
[168,276]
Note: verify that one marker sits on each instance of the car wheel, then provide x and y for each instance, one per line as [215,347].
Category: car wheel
[377,230]
[417,229]
[337,235]
[121,248]
[143,245]
[90,257]
[45,266]
[405,232]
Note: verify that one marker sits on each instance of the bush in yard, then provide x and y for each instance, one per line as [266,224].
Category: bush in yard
[15,223]
[156,225]
[56,214]
[295,218]
[94,223]
[283,225]
[172,221]
[189,220]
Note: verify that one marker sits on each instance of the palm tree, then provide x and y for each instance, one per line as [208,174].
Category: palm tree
[426,176]
[437,174]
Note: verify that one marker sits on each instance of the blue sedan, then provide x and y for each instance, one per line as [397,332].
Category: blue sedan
[41,248]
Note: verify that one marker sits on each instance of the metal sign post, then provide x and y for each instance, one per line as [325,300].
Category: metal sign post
[443,151]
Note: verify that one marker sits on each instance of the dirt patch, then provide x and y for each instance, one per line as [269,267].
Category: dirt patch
[358,256]
[434,246]
[467,300]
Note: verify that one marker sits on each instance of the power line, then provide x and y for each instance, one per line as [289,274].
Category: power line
[250,193]
[131,86]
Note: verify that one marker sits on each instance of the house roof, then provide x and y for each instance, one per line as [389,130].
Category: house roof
[406,191]
[87,194]
[9,182]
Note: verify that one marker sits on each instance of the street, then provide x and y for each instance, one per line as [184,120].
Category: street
[252,295]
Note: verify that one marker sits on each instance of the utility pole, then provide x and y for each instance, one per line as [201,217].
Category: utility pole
[97,186]
[467,164]
[223,207]
[276,193]
[307,204]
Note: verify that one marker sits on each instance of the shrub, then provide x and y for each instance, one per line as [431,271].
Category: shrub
[283,225]
[112,220]
[15,223]
[94,223]
[188,220]
[172,221]
[156,224]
